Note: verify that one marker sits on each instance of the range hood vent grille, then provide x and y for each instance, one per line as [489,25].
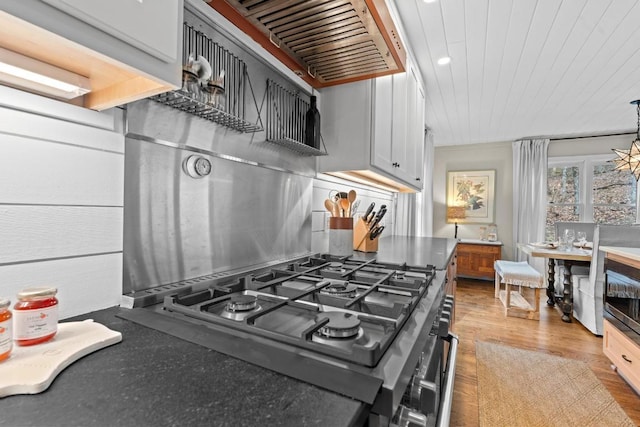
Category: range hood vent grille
[330,41]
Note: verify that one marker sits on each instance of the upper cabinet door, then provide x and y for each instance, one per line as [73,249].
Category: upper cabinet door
[381,144]
[149,25]
[408,165]
[399,130]
[420,142]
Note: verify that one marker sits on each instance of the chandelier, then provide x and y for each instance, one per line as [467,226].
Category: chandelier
[630,159]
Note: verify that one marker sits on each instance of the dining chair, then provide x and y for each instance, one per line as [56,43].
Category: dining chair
[588,288]
[589,229]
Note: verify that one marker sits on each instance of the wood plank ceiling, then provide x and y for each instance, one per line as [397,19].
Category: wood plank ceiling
[327,42]
[525,68]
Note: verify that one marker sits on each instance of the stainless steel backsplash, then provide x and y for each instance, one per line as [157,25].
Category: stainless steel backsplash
[254,208]
[177,227]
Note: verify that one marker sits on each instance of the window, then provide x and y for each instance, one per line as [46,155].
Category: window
[613,195]
[588,189]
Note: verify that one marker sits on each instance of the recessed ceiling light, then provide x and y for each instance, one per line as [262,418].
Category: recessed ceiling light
[429,1]
[444,60]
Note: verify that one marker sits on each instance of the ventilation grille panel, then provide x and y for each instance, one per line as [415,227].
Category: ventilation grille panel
[331,40]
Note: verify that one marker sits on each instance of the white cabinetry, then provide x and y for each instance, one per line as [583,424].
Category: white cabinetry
[420,132]
[149,26]
[129,49]
[383,115]
[374,129]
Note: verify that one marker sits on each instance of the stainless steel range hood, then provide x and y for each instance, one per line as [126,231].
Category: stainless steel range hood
[326,42]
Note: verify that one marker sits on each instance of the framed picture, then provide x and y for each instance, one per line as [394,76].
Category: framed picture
[475,190]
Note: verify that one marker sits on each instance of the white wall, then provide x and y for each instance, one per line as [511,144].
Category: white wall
[498,156]
[61,201]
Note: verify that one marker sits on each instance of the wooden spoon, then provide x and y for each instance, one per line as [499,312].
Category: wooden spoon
[346,207]
[330,206]
[352,196]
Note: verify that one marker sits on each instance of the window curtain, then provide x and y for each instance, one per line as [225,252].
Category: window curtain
[529,194]
[405,207]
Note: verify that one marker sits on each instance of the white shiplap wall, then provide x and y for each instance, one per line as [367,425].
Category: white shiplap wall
[61,201]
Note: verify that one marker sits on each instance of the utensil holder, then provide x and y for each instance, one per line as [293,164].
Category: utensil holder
[340,235]
[362,238]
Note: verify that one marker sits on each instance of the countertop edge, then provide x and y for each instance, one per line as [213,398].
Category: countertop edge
[631,253]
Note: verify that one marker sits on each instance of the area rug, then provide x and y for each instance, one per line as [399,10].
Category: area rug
[525,388]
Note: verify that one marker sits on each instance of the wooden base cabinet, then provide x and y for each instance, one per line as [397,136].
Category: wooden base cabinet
[623,353]
[476,258]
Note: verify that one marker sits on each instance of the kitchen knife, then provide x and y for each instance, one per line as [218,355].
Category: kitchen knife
[368,211]
[378,217]
[370,217]
[375,233]
[374,223]
[381,212]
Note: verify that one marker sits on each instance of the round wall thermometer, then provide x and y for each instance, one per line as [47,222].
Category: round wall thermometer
[197,166]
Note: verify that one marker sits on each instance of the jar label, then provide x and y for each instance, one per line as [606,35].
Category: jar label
[6,337]
[36,323]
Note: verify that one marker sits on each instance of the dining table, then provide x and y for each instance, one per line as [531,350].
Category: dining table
[568,257]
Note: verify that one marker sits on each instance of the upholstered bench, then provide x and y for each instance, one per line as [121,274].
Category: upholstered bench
[519,274]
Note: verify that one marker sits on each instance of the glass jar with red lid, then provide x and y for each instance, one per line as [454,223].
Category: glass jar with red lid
[6,337]
[35,315]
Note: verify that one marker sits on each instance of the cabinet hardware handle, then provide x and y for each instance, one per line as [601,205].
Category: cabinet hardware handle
[626,360]
[312,74]
[274,40]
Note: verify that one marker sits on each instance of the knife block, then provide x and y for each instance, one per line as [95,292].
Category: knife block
[361,238]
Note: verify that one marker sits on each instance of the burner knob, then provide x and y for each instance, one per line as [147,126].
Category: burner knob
[443,325]
[424,395]
[407,417]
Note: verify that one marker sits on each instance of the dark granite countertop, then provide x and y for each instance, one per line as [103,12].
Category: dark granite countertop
[154,379]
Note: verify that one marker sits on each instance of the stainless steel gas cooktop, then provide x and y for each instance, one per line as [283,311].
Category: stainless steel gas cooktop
[344,309]
[355,327]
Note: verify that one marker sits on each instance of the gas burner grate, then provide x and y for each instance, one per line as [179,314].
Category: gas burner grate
[340,307]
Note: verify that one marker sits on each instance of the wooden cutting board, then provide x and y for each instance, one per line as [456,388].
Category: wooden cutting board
[32,369]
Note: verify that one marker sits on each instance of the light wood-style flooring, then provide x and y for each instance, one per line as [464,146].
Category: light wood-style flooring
[480,317]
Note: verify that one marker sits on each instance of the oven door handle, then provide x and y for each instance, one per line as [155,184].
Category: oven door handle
[444,414]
